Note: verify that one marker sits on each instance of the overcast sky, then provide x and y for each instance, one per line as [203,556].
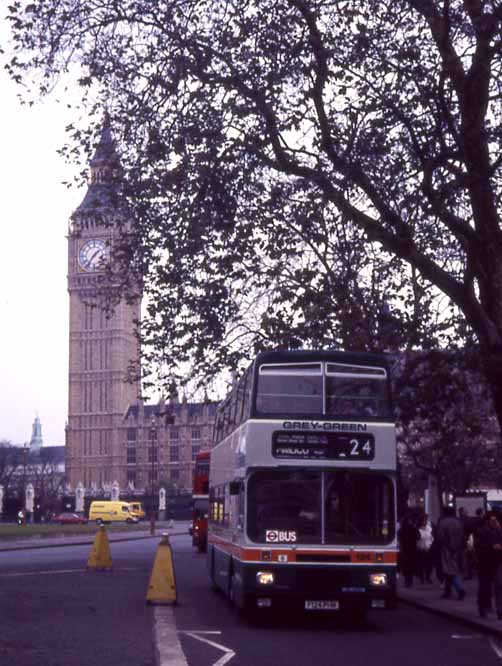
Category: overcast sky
[35,208]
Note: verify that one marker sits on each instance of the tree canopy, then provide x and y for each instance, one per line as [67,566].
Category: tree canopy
[446,422]
[300,172]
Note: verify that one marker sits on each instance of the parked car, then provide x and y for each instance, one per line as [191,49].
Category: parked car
[67,518]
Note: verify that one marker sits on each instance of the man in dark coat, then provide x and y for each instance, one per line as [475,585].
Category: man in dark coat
[450,536]
[484,540]
[408,540]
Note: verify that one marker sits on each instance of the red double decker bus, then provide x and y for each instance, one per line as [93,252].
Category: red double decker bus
[200,497]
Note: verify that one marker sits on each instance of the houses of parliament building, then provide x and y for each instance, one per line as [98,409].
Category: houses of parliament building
[111,434]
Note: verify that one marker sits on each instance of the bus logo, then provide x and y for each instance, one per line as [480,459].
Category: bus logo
[280,536]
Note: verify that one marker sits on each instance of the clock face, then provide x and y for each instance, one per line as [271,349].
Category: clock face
[93,255]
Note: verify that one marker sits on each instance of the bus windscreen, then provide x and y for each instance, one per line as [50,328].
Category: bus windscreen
[320,507]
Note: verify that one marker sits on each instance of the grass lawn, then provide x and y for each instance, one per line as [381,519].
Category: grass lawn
[11,531]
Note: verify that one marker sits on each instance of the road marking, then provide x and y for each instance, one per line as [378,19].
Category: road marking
[198,631]
[466,636]
[228,652]
[496,648]
[60,571]
[41,573]
[165,636]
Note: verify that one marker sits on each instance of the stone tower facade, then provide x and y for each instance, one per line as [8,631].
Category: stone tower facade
[102,341]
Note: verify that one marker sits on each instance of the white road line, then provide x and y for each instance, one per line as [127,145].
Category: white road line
[165,636]
[42,573]
[63,571]
[496,648]
[466,636]
[199,631]
[222,660]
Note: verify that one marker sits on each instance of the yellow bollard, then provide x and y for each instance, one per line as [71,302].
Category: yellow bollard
[100,557]
[162,585]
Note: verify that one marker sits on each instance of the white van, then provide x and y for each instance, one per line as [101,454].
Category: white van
[103,512]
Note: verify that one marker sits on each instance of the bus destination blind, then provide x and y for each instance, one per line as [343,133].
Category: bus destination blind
[322,446]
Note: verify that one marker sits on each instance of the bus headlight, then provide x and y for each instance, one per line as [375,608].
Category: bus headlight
[378,579]
[265,578]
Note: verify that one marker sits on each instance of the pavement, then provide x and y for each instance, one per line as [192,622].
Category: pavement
[172,528]
[426,596]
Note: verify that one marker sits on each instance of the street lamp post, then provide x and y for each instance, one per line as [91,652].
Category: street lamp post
[23,487]
[153,452]
[25,455]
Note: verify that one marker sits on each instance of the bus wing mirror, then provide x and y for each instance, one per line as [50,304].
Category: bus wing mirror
[235,487]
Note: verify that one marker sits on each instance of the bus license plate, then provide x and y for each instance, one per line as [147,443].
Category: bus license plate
[322,605]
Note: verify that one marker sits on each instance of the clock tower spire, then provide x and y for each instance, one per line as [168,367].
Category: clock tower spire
[102,341]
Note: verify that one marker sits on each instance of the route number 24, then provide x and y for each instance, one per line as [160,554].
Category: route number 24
[358,447]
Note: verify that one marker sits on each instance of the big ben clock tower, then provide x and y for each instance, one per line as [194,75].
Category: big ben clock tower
[102,340]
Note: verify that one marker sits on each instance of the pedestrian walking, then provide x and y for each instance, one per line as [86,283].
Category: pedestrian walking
[424,555]
[408,541]
[465,519]
[485,539]
[435,556]
[473,524]
[450,537]
[497,569]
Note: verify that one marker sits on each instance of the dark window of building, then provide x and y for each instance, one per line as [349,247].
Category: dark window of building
[131,455]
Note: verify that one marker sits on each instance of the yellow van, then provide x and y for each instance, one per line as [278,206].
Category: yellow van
[137,509]
[107,512]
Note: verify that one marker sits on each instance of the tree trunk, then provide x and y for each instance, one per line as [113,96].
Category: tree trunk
[493,373]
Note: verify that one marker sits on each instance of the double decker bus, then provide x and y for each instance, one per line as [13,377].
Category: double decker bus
[302,487]
[200,499]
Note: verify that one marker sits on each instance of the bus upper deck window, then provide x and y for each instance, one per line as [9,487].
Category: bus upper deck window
[356,391]
[290,389]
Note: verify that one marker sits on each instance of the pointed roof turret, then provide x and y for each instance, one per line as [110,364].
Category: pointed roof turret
[105,155]
[36,441]
[104,169]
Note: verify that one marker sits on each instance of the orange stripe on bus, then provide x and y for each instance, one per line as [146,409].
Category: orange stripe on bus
[264,554]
